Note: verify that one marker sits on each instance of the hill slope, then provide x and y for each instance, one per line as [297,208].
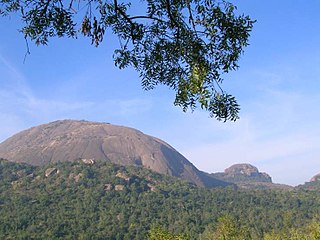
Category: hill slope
[70,140]
[75,200]
[313,184]
[247,176]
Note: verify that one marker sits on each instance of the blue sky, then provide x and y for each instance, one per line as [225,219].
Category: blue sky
[277,86]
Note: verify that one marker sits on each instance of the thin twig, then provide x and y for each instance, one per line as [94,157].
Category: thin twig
[44,11]
[191,16]
[146,17]
[70,5]
[27,52]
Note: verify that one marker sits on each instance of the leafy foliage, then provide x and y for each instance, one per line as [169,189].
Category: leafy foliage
[107,201]
[185,45]
[309,232]
[158,233]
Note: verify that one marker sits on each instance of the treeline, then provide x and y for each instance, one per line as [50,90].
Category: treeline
[78,200]
[228,228]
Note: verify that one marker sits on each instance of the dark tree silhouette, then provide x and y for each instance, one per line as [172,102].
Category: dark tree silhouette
[186,45]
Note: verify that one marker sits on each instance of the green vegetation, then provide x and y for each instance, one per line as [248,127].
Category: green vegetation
[228,229]
[106,201]
[314,185]
[158,233]
[185,45]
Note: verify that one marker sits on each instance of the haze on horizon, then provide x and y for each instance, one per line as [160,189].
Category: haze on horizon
[277,86]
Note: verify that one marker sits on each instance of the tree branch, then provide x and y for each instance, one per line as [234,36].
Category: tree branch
[191,16]
[125,16]
[172,19]
[45,8]
[146,17]
[168,5]
[28,50]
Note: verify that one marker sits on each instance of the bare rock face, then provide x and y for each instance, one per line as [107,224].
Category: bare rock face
[244,169]
[248,172]
[247,176]
[51,171]
[316,178]
[312,185]
[243,173]
[70,140]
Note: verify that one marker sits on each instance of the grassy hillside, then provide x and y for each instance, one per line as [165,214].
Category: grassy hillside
[77,200]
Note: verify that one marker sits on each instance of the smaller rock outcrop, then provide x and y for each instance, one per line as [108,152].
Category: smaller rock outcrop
[247,176]
[108,187]
[242,173]
[15,184]
[76,177]
[151,187]
[21,173]
[89,161]
[51,171]
[312,185]
[119,187]
[316,178]
[123,176]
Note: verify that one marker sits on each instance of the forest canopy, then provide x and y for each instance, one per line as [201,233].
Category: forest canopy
[77,200]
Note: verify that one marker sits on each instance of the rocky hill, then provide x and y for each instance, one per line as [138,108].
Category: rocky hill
[247,176]
[243,172]
[316,178]
[313,184]
[70,140]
